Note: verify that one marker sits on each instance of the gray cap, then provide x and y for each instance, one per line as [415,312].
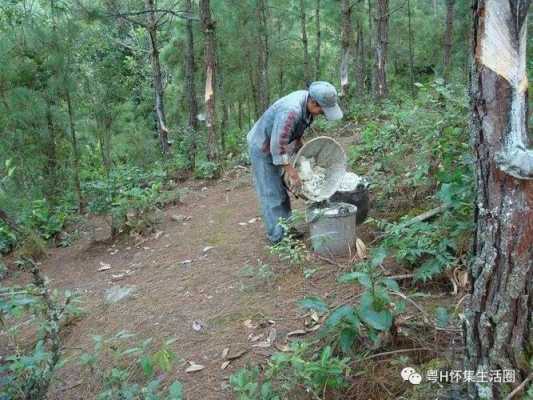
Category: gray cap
[326,95]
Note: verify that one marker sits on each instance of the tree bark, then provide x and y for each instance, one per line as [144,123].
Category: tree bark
[51,163]
[239,114]
[303,18]
[75,152]
[382,37]
[157,77]
[448,38]
[318,41]
[347,41]
[361,59]
[223,104]
[411,56]
[263,55]
[208,26]
[190,87]
[370,56]
[499,321]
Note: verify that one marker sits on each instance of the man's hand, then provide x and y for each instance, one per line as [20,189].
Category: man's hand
[299,144]
[294,179]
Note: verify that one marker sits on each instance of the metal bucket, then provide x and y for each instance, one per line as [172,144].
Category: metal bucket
[332,229]
[327,154]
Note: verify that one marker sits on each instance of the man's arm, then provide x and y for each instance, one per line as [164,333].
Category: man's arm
[279,145]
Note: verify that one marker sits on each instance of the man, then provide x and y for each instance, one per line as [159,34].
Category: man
[268,143]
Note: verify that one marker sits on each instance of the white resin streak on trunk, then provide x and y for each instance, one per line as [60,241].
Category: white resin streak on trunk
[498,49]
[506,56]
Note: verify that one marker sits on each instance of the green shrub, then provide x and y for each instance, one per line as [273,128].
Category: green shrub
[206,169]
[134,368]
[373,314]
[27,372]
[291,371]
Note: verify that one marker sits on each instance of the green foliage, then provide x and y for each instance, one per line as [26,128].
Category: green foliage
[206,169]
[131,196]
[44,220]
[373,314]
[27,371]
[8,239]
[288,372]
[262,273]
[134,368]
[442,317]
[289,248]
[417,152]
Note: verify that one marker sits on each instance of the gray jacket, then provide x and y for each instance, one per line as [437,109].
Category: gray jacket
[283,122]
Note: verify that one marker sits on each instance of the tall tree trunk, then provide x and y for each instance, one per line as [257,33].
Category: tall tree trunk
[239,114]
[223,104]
[104,127]
[75,152]
[263,54]
[382,37]
[208,26]
[51,163]
[370,51]
[281,63]
[303,22]
[157,78]
[361,57]
[346,48]
[448,38]
[253,86]
[190,87]
[411,56]
[499,314]
[318,41]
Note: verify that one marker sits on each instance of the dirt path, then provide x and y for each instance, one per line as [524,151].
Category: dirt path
[169,295]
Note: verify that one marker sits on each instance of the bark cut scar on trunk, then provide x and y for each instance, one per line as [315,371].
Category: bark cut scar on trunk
[503,50]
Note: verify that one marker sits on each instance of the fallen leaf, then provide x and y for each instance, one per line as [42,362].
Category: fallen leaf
[361,249]
[104,267]
[282,347]
[185,262]
[252,220]
[248,323]
[313,328]
[180,218]
[254,338]
[158,234]
[117,276]
[243,223]
[269,340]
[225,364]
[225,352]
[207,248]
[297,332]
[314,316]
[194,367]
[236,355]
[264,344]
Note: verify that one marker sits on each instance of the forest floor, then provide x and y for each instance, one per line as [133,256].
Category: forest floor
[170,292]
[186,282]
